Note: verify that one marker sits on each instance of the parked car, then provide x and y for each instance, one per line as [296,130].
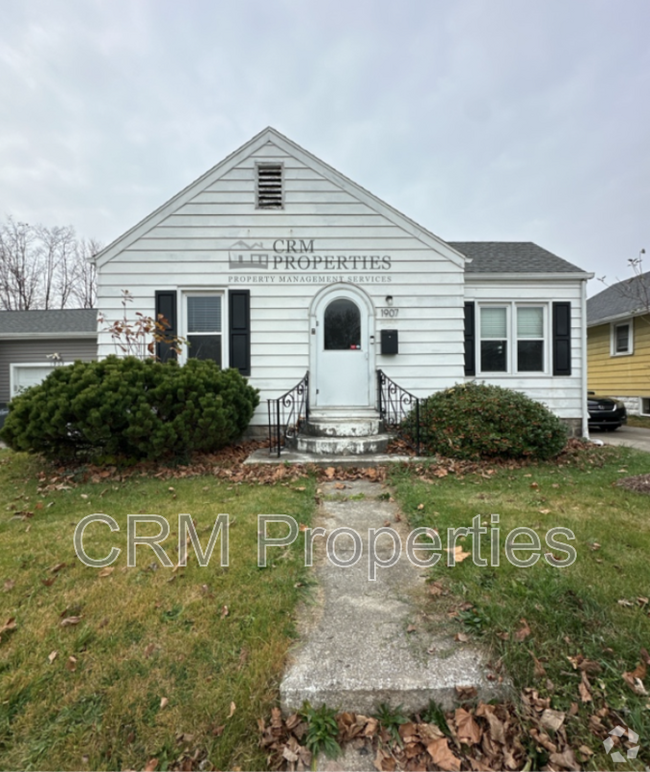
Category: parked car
[605,412]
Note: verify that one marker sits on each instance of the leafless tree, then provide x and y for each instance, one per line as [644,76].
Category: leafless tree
[45,267]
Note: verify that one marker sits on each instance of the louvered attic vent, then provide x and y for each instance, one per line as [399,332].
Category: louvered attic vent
[269,186]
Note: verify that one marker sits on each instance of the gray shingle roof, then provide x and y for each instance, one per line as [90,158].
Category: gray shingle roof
[82,320]
[627,297]
[511,257]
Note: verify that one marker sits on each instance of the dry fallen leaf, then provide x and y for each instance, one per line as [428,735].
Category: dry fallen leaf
[523,632]
[164,702]
[233,708]
[151,765]
[9,584]
[442,756]
[461,637]
[224,611]
[468,730]
[71,664]
[106,571]
[149,650]
[69,621]
[552,719]
[52,656]
[459,554]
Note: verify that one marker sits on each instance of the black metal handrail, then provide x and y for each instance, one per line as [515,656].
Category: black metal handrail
[395,404]
[287,414]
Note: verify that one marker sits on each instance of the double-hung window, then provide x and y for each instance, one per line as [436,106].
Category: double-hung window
[204,326]
[513,338]
[494,339]
[530,339]
[622,342]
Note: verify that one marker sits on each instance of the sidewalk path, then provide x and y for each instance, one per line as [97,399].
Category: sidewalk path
[384,641]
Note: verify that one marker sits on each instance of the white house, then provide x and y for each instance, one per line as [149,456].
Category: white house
[275,263]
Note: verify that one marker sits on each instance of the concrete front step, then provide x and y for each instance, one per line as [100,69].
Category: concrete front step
[343,446]
[343,427]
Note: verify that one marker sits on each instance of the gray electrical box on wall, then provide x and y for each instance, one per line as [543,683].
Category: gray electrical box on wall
[389,342]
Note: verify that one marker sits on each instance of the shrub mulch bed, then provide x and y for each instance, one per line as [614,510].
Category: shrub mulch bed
[227,464]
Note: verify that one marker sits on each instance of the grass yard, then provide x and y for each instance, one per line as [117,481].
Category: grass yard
[570,633]
[113,669]
[642,421]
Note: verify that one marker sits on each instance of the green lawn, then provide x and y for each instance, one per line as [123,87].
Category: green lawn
[155,667]
[179,665]
[596,609]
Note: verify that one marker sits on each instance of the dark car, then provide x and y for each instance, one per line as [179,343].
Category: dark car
[605,412]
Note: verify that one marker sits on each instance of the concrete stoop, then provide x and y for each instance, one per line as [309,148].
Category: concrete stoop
[342,432]
[358,648]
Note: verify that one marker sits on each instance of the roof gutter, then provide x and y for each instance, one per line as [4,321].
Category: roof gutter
[618,317]
[480,276]
[47,335]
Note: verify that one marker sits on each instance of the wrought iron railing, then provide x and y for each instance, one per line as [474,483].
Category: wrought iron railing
[399,410]
[287,414]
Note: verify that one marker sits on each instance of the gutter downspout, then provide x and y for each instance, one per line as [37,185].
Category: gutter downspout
[583,335]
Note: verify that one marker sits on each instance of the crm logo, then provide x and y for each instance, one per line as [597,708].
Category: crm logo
[620,731]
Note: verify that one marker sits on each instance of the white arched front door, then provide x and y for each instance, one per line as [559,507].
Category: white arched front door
[342,349]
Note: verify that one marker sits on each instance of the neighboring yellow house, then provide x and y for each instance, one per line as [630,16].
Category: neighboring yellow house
[618,343]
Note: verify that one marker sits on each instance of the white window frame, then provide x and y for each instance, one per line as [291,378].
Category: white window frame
[184,293]
[511,371]
[508,339]
[629,323]
[12,373]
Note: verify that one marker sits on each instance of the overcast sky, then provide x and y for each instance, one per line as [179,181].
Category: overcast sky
[480,119]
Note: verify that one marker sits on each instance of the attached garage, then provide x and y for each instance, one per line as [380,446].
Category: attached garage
[33,342]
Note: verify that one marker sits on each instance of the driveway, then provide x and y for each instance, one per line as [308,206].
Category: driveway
[632,436]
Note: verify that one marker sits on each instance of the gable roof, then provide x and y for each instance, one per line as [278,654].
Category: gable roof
[625,298]
[284,143]
[69,321]
[511,257]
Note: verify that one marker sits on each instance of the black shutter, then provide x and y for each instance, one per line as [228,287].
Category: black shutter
[240,330]
[561,338]
[166,305]
[470,340]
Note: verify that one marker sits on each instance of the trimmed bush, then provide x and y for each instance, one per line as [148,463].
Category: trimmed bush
[129,408]
[474,421]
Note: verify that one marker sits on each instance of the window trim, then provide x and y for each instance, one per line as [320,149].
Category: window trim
[512,339]
[629,323]
[186,292]
[480,339]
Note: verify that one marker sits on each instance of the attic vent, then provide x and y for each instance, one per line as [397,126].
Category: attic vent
[269,186]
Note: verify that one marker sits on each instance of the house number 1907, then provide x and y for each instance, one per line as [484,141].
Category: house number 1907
[391,312]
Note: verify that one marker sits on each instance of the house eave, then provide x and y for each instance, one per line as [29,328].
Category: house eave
[46,335]
[479,277]
[619,317]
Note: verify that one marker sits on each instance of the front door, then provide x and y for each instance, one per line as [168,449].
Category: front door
[342,357]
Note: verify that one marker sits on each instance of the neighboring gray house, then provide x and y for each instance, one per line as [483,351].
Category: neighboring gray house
[29,339]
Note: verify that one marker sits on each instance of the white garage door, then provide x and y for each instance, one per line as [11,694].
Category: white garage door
[25,375]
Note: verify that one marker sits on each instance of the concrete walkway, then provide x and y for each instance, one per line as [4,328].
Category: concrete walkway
[367,642]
